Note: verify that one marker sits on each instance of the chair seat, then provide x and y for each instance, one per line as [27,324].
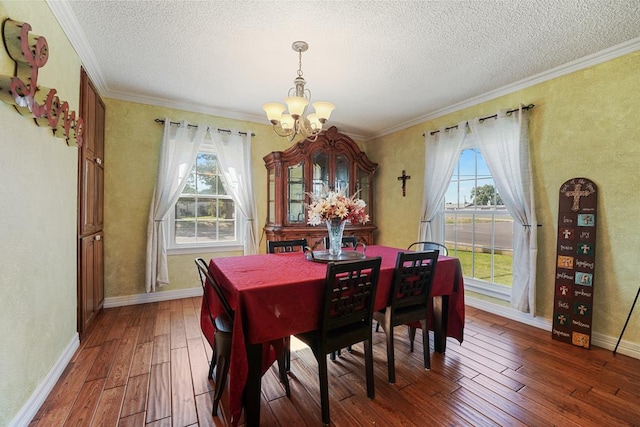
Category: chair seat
[336,339]
[404,315]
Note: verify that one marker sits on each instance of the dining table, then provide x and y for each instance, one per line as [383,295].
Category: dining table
[278,295]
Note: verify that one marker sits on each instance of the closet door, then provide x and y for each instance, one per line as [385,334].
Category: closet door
[90,206]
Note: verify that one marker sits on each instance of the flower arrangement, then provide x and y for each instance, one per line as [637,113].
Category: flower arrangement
[335,205]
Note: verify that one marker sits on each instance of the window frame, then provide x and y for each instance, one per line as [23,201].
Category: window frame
[491,289]
[174,248]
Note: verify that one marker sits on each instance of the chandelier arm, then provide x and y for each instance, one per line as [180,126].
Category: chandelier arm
[308,132]
[285,134]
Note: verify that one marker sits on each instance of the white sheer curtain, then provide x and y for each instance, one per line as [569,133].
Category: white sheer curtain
[442,150]
[178,151]
[234,155]
[504,143]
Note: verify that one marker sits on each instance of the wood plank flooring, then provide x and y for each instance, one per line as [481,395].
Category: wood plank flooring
[146,365]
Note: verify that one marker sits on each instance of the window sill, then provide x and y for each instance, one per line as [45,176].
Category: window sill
[204,249]
[500,292]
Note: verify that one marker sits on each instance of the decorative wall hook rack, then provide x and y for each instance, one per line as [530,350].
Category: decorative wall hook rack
[30,53]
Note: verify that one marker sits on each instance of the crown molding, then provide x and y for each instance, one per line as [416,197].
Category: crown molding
[63,13]
[186,106]
[562,70]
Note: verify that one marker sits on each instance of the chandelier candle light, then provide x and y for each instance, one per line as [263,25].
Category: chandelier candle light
[335,208]
[296,121]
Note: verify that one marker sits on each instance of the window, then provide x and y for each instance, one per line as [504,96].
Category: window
[205,214]
[478,227]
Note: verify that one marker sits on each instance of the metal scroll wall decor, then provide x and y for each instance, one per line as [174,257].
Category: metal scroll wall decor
[30,53]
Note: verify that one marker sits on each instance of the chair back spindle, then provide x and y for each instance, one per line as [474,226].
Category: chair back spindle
[350,294]
[429,246]
[296,245]
[412,281]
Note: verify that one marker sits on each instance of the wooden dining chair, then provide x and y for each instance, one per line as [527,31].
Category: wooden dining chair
[350,291]
[347,242]
[421,247]
[409,301]
[277,246]
[223,334]
[429,246]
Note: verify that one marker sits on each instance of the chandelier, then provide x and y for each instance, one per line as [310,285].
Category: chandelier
[296,121]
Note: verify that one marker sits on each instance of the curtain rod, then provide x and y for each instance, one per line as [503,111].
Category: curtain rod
[527,107]
[195,126]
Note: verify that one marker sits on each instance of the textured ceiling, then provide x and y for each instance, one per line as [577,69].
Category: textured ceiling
[385,64]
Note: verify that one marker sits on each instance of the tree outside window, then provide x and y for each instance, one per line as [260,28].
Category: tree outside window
[205,212]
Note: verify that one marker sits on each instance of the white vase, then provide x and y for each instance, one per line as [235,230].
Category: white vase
[335,228]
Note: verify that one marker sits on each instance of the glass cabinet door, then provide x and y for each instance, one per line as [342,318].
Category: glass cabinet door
[320,171]
[295,203]
[363,187]
[271,214]
[342,174]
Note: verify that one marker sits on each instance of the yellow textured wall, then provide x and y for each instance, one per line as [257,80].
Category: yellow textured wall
[585,124]
[38,176]
[582,126]
[132,150]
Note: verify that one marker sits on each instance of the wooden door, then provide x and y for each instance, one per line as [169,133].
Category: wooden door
[91,281]
[90,206]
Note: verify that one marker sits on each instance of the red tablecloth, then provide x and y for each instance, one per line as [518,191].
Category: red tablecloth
[278,295]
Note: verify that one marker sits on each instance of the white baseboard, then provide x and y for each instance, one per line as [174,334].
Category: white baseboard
[152,297]
[39,395]
[599,340]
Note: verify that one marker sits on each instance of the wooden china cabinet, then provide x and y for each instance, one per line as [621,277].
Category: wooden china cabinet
[332,161]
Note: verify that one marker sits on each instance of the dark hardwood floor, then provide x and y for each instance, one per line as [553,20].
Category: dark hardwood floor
[147,365]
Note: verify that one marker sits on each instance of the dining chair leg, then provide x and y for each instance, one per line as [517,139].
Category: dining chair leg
[282,372]
[368,364]
[222,370]
[425,345]
[287,354]
[213,362]
[391,366]
[221,361]
[324,388]
[412,336]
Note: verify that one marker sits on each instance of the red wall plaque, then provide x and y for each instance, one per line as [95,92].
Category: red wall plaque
[575,262]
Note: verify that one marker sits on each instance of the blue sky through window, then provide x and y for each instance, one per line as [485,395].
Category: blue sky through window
[471,170]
